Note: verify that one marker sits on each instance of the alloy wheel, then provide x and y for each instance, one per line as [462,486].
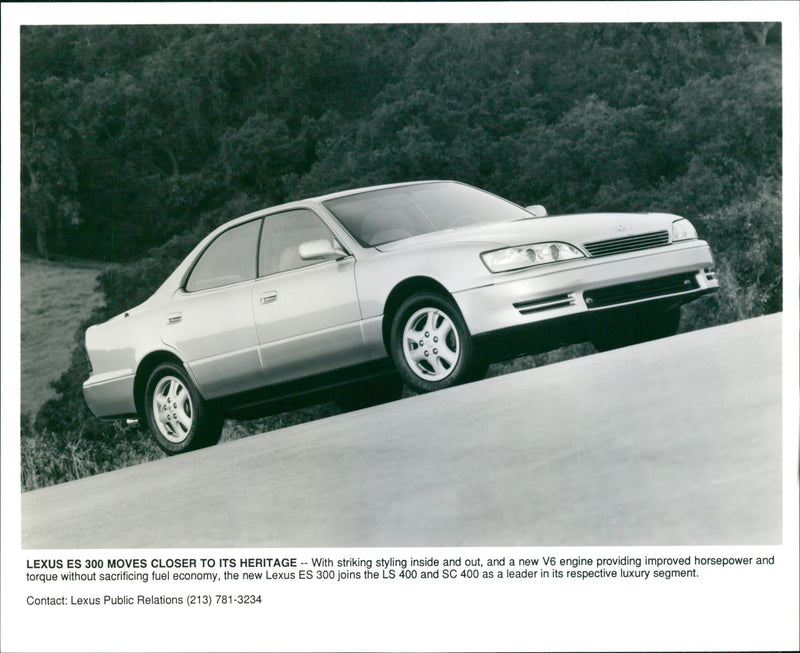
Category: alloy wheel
[430,344]
[172,409]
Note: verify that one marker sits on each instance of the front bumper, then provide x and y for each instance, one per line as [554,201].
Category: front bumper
[681,271]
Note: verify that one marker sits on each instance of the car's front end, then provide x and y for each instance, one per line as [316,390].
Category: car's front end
[655,257]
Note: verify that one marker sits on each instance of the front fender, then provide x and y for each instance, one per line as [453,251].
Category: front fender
[456,267]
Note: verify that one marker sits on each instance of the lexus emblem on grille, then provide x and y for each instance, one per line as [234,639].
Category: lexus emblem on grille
[619,228]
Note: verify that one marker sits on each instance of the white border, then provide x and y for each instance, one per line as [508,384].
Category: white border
[393,12]
[719,615]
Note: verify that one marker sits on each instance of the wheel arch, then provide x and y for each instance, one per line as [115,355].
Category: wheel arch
[403,291]
[146,366]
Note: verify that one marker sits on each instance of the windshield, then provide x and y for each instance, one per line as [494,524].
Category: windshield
[382,216]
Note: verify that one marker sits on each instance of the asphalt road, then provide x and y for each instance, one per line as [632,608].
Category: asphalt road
[672,442]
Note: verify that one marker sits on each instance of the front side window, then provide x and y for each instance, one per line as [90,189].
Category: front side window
[231,258]
[281,237]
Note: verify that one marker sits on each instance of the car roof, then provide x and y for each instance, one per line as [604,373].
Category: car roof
[367,189]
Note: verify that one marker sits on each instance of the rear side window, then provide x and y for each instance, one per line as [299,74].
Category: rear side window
[231,258]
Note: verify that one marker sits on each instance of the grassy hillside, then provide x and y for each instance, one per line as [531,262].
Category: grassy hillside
[55,299]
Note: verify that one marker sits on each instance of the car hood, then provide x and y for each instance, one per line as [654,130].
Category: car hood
[573,229]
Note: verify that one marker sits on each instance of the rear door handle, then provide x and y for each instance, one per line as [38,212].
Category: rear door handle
[174,318]
[268,297]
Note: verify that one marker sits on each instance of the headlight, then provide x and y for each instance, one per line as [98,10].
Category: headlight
[525,256]
[683,230]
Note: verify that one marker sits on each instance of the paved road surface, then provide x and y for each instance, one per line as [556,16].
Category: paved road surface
[672,442]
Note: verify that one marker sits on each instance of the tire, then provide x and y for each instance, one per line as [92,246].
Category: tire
[430,344]
[638,328]
[370,393]
[179,418]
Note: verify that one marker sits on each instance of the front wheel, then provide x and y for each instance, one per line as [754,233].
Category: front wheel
[430,344]
[178,417]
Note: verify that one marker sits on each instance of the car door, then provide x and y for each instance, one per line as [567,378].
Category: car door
[307,315]
[211,318]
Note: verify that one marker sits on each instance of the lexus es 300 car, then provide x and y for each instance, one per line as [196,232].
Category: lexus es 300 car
[353,294]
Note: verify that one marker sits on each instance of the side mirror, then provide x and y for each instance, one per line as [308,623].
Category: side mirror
[537,210]
[318,250]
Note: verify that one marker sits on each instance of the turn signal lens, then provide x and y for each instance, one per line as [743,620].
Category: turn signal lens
[683,230]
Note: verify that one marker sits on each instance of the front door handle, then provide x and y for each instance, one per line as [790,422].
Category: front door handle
[174,318]
[268,297]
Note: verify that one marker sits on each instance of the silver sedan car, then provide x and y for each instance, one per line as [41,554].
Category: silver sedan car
[351,295]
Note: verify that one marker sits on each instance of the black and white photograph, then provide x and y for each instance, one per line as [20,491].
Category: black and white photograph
[387,326]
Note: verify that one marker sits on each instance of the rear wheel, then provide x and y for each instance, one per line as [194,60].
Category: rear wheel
[430,344]
[179,418]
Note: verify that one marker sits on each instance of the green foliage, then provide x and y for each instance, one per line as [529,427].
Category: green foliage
[750,264]
[131,133]
[138,140]
[48,458]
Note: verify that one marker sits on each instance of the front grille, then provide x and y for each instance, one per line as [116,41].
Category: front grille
[627,243]
[630,292]
[545,304]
